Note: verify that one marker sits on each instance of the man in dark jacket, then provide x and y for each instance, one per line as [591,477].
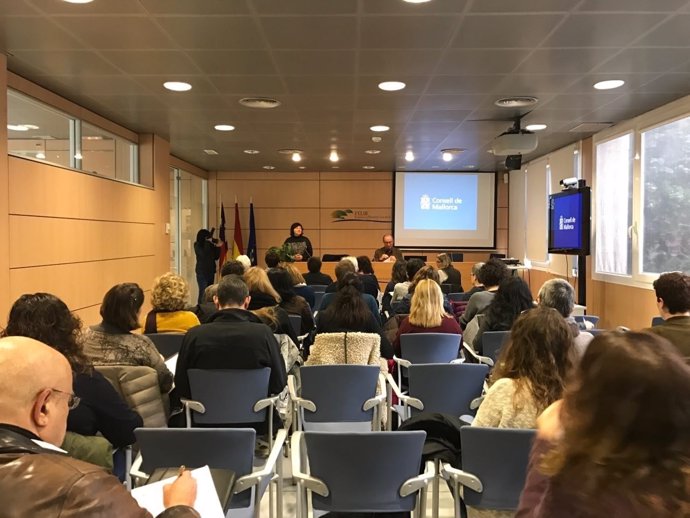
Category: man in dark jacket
[39,480]
[233,338]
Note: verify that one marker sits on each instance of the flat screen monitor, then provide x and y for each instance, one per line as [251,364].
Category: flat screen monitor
[569,221]
[445,210]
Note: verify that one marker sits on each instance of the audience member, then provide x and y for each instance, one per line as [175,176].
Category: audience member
[447,272]
[207,307]
[474,279]
[560,295]
[343,267]
[402,306]
[112,343]
[400,289]
[512,298]
[342,272]
[398,274]
[530,371]
[245,261]
[348,312]
[299,285]
[234,338]
[427,314]
[299,243]
[618,443]
[207,251]
[490,275]
[263,295]
[272,259]
[291,302]
[370,284]
[388,252]
[37,479]
[673,300]
[232,267]
[169,298]
[46,318]
[315,276]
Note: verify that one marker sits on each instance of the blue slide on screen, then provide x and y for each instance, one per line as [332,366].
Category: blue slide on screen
[440,202]
[565,224]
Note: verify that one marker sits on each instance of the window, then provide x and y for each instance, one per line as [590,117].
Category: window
[613,194]
[665,190]
[40,132]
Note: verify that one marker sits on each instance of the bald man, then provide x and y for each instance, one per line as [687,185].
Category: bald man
[388,252]
[39,480]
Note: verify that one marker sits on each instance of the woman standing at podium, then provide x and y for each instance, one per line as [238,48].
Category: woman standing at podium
[299,243]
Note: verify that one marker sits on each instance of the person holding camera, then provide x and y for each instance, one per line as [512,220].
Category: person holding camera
[207,251]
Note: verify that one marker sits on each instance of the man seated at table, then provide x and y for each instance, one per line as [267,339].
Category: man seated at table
[38,479]
[388,252]
[673,300]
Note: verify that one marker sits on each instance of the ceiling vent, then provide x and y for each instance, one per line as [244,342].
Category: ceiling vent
[262,103]
[590,127]
[516,102]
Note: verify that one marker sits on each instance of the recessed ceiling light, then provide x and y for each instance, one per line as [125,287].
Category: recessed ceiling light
[335,167]
[535,127]
[296,157]
[409,155]
[609,84]
[252,151]
[78,156]
[379,128]
[269,167]
[177,86]
[447,157]
[17,127]
[261,103]
[31,126]
[302,167]
[516,102]
[210,151]
[376,139]
[368,167]
[392,86]
[333,157]
[417,1]
[41,155]
[224,127]
[372,151]
[472,166]
[449,153]
[78,1]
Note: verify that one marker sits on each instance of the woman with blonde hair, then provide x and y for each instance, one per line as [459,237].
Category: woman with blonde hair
[169,298]
[427,314]
[448,273]
[261,290]
[618,443]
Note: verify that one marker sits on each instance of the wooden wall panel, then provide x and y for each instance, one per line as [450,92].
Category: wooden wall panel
[44,241]
[4,194]
[83,284]
[350,194]
[280,191]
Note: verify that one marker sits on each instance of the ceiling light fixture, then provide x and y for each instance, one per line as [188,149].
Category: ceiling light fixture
[449,153]
[262,103]
[417,1]
[17,127]
[409,155]
[376,139]
[516,102]
[78,156]
[392,86]
[333,157]
[535,127]
[210,151]
[78,1]
[269,167]
[224,127]
[447,157]
[177,86]
[379,128]
[372,151]
[41,155]
[368,167]
[609,84]
[252,151]
[296,157]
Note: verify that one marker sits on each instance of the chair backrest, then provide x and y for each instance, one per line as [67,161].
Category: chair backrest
[339,392]
[657,321]
[492,342]
[318,297]
[498,457]
[456,296]
[364,471]
[296,323]
[223,448]
[318,288]
[448,388]
[429,347]
[138,386]
[497,256]
[420,257]
[581,319]
[449,288]
[168,344]
[229,396]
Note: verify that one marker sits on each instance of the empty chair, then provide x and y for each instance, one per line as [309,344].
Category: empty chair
[657,321]
[230,397]
[168,344]
[427,348]
[492,341]
[223,448]
[494,467]
[581,319]
[296,323]
[337,398]
[456,296]
[367,472]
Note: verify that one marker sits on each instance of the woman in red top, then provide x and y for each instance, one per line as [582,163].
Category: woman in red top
[426,313]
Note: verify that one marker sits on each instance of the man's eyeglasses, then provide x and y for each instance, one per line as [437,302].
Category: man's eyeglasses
[72,402]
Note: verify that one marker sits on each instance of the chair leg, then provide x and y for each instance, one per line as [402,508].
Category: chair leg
[435,489]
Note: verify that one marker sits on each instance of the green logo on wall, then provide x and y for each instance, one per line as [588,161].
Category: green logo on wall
[341,215]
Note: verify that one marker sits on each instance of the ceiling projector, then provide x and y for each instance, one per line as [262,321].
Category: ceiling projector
[514,143]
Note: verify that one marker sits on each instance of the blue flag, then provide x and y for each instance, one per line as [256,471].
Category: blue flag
[251,243]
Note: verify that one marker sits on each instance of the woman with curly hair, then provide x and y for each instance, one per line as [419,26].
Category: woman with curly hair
[169,298]
[618,443]
[112,342]
[101,410]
